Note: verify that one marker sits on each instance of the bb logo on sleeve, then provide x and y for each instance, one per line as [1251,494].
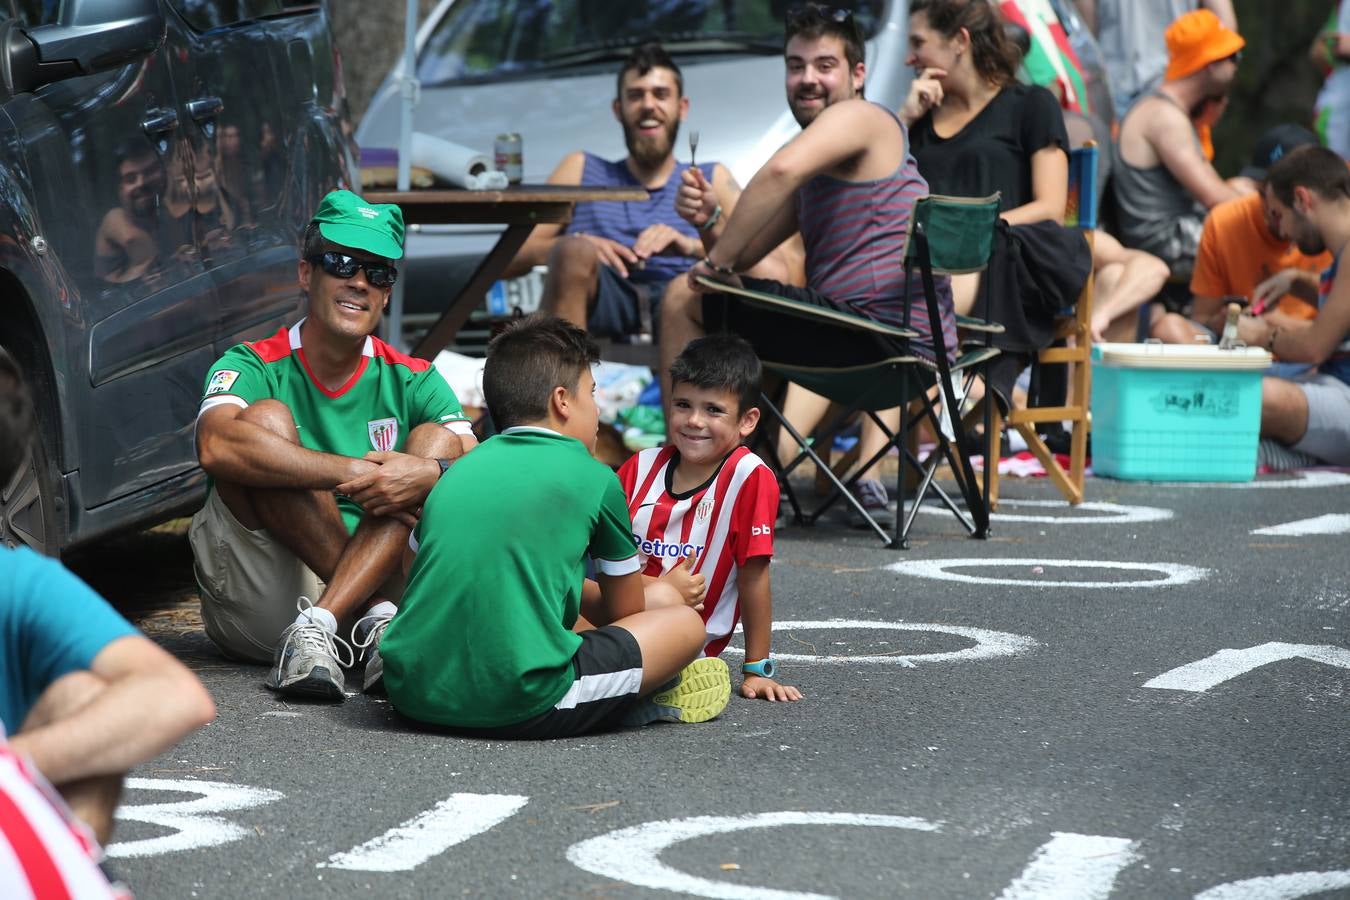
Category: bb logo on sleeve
[383,433]
[221,382]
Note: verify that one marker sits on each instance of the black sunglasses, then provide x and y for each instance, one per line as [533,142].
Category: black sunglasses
[1236,57]
[340,265]
[821,12]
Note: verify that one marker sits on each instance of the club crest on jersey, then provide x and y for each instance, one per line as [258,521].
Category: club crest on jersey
[703,510]
[383,433]
[221,381]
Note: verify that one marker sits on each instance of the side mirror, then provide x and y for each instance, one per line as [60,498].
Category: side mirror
[91,36]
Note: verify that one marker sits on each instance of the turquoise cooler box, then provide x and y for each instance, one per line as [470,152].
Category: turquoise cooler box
[1171,412]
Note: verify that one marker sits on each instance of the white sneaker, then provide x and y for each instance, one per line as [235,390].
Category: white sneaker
[308,661]
[369,644]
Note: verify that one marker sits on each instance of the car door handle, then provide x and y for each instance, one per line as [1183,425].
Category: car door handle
[204,108]
[159,120]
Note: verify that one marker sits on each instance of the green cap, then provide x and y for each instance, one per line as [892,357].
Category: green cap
[346,219]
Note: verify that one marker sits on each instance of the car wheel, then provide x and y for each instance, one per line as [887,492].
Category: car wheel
[27,507]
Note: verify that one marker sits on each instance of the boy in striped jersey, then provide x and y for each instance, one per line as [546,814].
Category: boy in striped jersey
[705,496]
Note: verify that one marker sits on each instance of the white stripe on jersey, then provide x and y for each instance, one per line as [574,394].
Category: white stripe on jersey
[222,400]
[589,688]
[78,873]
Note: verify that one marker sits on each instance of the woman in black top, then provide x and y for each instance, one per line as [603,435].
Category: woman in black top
[973,128]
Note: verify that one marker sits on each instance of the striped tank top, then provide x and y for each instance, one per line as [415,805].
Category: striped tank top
[623,221]
[1338,364]
[855,234]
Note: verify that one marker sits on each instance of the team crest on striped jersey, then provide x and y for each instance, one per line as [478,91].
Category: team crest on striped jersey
[704,509]
[383,433]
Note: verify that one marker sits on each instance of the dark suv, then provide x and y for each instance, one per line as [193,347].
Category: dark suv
[158,159]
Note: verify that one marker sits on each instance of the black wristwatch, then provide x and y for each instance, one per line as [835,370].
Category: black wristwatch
[444,464]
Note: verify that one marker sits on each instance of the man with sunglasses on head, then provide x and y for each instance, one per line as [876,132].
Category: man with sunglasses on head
[848,184]
[322,442]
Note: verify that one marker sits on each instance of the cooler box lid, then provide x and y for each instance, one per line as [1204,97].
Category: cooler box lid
[1180,356]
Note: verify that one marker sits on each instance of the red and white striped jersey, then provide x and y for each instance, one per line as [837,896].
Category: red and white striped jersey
[44,851]
[722,524]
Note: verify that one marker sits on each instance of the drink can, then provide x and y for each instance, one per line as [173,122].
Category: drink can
[508,156]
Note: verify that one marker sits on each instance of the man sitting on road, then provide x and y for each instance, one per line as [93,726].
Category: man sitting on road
[83,695]
[322,441]
[1243,255]
[849,184]
[609,266]
[1308,191]
[1163,179]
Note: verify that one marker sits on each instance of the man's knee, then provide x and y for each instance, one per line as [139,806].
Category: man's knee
[573,257]
[64,697]
[273,415]
[681,303]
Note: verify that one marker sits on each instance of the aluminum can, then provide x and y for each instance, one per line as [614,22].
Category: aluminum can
[508,156]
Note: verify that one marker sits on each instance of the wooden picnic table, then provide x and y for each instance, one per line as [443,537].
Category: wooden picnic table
[519,208]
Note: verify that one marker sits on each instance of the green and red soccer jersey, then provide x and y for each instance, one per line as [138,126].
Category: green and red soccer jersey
[387,396]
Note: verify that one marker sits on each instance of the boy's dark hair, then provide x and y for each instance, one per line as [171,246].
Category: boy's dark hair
[16,418]
[815,20]
[1315,168]
[992,50]
[530,358]
[643,59]
[720,362]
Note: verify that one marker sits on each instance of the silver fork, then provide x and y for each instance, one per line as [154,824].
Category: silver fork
[693,145]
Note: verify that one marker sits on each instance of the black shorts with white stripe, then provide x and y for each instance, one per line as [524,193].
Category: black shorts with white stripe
[607,678]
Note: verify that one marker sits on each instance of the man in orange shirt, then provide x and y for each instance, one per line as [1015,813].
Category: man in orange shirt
[1242,255]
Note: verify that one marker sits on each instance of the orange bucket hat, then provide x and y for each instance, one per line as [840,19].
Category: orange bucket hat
[1197,39]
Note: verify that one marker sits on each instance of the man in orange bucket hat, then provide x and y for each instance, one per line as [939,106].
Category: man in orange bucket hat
[1164,179]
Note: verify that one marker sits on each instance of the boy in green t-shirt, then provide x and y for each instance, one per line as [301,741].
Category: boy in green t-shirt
[484,641]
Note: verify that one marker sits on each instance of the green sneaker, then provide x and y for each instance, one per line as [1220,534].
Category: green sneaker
[699,693]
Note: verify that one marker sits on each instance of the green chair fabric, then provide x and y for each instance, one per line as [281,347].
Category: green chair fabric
[959,232]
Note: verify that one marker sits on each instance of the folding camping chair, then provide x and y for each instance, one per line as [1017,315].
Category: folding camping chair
[868,366]
[1076,326]
[859,363]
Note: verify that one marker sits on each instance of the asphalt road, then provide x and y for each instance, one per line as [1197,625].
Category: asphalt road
[1141,703]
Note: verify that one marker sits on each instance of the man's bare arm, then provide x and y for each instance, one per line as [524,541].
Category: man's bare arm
[1173,140]
[242,452]
[151,702]
[541,240]
[841,132]
[1088,10]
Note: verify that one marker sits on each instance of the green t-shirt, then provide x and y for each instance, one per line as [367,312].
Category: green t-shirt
[483,636]
[389,395]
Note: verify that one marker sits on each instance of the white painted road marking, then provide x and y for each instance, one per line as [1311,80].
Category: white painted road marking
[1315,478]
[988,644]
[1112,513]
[1173,573]
[450,822]
[1073,867]
[193,829]
[1279,887]
[632,854]
[1332,523]
[1204,674]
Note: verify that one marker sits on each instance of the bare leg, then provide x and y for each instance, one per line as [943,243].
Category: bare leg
[372,556]
[670,638]
[1174,328]
[804,410]
[93,800]
[1284,411]
[573,280]
[681,322]
[965,288]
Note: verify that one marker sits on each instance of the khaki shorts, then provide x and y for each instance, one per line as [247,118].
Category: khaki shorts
[249,582]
